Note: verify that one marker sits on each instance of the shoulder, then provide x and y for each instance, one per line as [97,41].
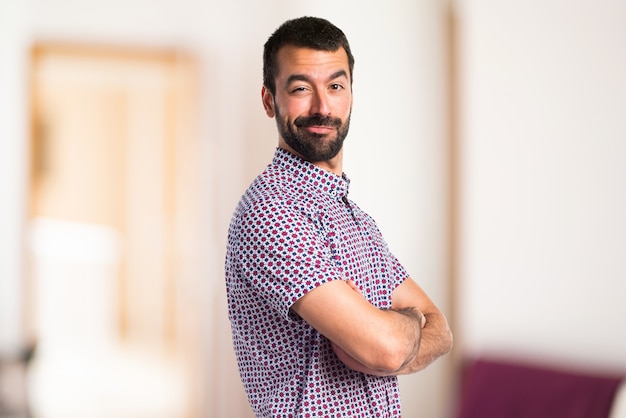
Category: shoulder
[266,206]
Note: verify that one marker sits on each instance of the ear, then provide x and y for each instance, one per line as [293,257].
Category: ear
[268,102]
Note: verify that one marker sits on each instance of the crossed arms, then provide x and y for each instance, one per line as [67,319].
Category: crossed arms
[401,340]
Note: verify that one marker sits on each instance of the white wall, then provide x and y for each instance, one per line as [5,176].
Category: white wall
[543,179]
[13,123]
[397,164]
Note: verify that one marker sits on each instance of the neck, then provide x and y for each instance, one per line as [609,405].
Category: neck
[334,166]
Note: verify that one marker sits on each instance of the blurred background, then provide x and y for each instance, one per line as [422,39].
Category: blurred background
[488,139]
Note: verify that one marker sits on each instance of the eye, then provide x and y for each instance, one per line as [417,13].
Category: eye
[336,86]
[299,89]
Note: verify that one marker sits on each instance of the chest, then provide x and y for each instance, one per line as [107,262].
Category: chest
[357,248]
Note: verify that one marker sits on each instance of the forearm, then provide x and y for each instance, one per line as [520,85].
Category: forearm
[409,323]
[435,340]
[414,322]
[380,339]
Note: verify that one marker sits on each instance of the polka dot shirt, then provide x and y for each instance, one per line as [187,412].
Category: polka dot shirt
[295,229]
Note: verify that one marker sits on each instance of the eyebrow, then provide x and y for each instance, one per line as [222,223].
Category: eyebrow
[302,77]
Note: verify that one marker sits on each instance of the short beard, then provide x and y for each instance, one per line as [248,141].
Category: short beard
[312,147]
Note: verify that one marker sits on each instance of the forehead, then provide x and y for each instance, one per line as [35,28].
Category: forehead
[312,62]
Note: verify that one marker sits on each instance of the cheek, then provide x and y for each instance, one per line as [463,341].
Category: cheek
[291,109]
[343,107]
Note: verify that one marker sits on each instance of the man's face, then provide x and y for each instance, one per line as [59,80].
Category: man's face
[313,101]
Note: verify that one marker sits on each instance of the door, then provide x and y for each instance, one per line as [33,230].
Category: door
[105,290]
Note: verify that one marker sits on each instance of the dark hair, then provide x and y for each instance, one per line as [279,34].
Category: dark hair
[306,32]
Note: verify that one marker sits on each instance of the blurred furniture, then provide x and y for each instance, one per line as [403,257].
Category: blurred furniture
[507,389]
[14,382]
[619,404]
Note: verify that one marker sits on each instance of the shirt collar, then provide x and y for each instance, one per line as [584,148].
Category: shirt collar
[311,176]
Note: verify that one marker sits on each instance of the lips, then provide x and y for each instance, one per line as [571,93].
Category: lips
[319,129]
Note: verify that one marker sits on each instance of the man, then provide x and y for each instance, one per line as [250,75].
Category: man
[323,316]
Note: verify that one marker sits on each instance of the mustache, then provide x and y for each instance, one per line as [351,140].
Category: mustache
[317,120]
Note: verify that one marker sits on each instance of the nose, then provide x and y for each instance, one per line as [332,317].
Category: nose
[320,103]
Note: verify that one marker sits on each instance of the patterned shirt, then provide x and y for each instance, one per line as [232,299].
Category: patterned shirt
[295,229]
